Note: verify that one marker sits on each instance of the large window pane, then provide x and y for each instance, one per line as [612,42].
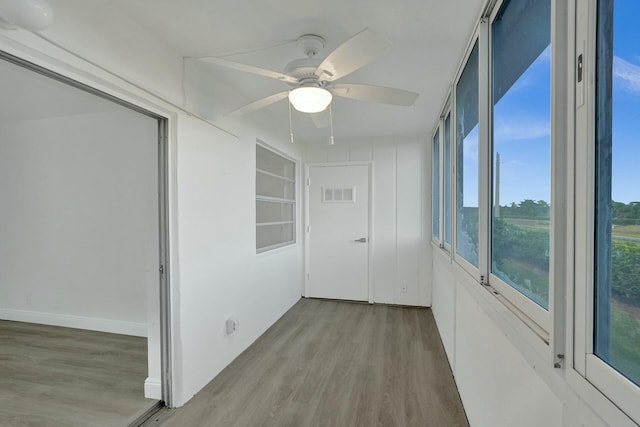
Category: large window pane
[467,160]
[447,179]
[617,309]
[435,199]
[521,38]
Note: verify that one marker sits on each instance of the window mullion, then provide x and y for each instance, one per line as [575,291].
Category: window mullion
[484,157]
[561,82]
[441,199]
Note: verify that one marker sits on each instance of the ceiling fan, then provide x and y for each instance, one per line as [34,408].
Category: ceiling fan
[313,82]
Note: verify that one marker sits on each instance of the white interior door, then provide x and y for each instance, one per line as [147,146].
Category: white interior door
[339,232]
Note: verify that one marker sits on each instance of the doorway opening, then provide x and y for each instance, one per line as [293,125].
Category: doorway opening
[84,296]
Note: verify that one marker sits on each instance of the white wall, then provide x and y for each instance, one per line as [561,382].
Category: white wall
[214,270]
[79,220]
[221,275]
[401,271]
[501,382]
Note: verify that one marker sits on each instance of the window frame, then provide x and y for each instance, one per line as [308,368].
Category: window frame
[440,126]
[542,318]
[293,202]
[459,259]
[447,113]
[588,373]
[439,239]
[545,331]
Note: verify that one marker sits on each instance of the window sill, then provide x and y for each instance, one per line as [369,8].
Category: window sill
[521,315]
[272,250]
[526,336]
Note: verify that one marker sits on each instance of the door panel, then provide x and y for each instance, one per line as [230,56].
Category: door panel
[339,236]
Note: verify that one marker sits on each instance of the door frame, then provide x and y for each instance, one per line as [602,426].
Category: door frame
[371,237]
[165,166]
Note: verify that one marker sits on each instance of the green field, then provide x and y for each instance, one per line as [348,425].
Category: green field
[625,342]
[520,266]
[520,257]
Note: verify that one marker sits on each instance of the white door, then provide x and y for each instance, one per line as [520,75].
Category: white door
[339,232]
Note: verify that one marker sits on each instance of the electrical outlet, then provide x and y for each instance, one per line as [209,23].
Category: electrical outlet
[231,325]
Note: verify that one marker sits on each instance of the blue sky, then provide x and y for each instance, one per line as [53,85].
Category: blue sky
[521,134]
[522,124]
[626,101]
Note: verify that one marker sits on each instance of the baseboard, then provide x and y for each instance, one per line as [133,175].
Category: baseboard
[77,322]
[152,388]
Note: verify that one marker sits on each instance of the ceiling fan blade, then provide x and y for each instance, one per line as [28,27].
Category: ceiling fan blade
[379,94]
[250,69]
[352,55]
[260,103]
[320,120]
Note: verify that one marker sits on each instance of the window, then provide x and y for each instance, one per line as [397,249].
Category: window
[435,194]
[275,200]
[521,149]
[467,160]
[447,180]
[607,271]
[617,234]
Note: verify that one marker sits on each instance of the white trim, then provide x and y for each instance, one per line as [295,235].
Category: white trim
[612,383]
[77,322]
[307,229]
[153,388]
[307,226]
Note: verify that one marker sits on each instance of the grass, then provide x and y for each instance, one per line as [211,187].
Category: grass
[529,280]
[625,343]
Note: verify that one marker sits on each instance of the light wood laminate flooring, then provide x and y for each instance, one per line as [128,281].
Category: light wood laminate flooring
[331,363]
[52,376]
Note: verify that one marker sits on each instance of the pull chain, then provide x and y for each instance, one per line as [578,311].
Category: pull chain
[290,122]
[331,140]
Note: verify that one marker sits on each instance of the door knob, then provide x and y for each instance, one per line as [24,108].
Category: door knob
[361,240]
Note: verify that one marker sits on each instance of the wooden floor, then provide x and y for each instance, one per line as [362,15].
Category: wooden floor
[51,376]
[329,363]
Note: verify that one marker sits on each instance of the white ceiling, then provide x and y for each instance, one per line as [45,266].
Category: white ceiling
[428,36]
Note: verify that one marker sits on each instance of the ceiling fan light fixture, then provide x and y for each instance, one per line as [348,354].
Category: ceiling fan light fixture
[310,99]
